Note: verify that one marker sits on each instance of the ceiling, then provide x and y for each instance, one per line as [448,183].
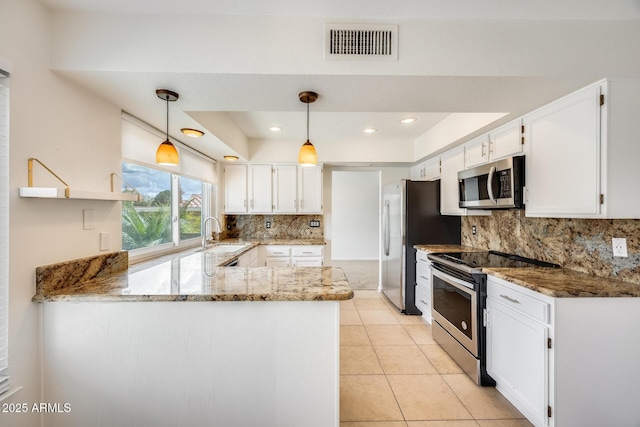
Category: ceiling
[235,98]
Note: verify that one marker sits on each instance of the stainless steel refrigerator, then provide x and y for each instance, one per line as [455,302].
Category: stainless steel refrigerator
[410,216]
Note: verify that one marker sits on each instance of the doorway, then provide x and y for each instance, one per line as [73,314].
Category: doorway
[355,240]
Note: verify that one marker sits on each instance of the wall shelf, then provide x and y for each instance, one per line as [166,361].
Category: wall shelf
[68,193]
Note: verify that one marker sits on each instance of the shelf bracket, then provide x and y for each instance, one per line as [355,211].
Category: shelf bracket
[113,190]
[30,175]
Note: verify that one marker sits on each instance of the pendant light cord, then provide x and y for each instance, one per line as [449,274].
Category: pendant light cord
[167,99]
[307,121]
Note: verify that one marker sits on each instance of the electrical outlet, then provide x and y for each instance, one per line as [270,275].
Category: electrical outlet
[88,219]
[268,224]
[619,247]
[473,230]
[105,241]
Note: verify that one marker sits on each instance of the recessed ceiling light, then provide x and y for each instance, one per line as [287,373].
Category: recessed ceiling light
[231,158]
[275,128]
[370,130]
[408,120]
[193,133]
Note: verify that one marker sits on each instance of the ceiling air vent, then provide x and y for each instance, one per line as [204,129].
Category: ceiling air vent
[361,41]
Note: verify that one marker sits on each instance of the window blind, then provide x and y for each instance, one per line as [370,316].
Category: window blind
[140,142]
[4,231]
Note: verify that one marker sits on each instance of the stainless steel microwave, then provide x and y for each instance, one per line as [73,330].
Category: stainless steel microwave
[495,185]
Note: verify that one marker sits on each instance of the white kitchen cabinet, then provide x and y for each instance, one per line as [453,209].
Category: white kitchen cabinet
[307,256]
[582,153]
[285,189]
[260,182]
[563,156]
[476,152]
[310,189]
[249,259]
[429,170]
[501,142]
[506,140]
[517,350]
[573,358]
[277,255]
[235,188]
[423,285]
[452,161]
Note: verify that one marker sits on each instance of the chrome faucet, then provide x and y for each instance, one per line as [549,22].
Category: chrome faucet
[204,231]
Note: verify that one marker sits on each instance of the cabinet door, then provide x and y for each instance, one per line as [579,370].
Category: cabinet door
[562,144]
[310,189]
[452,162]
[431,170]
[277,262]
[517,358]
[417,172]
[235,188]
[506,141]
[260,189]
[284,188]
[476,152]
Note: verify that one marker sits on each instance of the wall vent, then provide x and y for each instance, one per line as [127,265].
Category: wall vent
[361,41]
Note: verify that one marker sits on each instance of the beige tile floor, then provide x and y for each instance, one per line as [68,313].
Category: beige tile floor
[392,374]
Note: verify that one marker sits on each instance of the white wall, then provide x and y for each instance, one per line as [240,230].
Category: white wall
[355,206]
[387,175]
[75,133]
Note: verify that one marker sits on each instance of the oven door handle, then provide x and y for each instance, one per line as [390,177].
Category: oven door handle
[448,277]
[492,172]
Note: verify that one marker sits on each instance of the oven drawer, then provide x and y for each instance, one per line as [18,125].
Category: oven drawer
[525,304]
[423,302]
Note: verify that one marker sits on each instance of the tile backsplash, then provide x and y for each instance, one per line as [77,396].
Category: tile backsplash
[578,244]
[254,227]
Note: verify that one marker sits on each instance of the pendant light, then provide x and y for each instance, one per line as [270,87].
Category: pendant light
[307,155]
[167,155]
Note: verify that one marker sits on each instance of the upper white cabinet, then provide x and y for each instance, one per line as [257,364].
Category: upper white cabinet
[260,200]
[285,189]
[452,162]
[429,170]
[563,146]
[501,142]
[506,140]
[582,153]
[476,151]
[310,189]
[235,188]
[269,188]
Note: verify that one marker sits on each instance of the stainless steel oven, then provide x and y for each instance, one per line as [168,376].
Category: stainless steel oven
[459,295]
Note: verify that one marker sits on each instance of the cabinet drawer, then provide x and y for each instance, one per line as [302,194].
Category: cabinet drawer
[306,251]
[277,250]
[307,262]
[423,274]
[518,301]
[423,302]
[421,256]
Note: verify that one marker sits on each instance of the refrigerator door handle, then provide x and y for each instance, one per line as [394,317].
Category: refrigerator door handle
[385,225]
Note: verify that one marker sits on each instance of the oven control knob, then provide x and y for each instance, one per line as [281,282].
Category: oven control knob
[464,325]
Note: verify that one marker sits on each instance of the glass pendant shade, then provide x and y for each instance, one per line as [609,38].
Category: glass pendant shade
[307,155]
[167,155]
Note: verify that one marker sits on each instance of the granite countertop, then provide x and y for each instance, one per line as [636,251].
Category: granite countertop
[190,275]
[565,283]
[553,282]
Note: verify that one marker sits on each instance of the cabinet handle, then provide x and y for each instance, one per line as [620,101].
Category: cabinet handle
[251,203]
[302,204]
[425,278]
[244,202]
[424,302]
[515,301]
[482,154]
[491,147]
[307,252]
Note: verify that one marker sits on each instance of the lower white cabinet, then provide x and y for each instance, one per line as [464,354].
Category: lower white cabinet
[423,285]
[293,256]
[249,259]
[517,354]
[564,362]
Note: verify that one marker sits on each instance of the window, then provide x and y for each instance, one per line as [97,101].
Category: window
[4,232]
[148,224]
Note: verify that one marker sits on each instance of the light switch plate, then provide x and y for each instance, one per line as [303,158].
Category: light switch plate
[105,241]
[619,247]
[88,219]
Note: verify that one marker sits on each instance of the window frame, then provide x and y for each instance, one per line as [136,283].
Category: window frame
[208,209]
